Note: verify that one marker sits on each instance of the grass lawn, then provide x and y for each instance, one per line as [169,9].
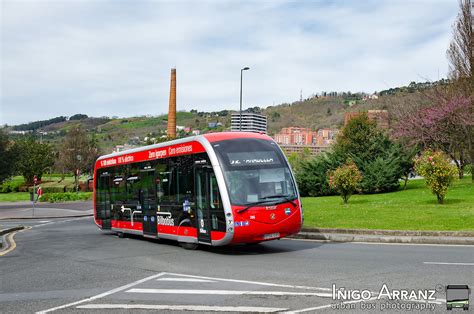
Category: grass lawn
[14,197]
[412,209]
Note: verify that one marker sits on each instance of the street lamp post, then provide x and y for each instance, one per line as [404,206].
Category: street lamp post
[240,116]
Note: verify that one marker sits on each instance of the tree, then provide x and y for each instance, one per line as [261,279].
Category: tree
[345,179]
[312,174]
[461,68]
[446,124]
[7,158]
[407,162]
[359,137]
[78,116]
[375,154]
[438,172]
[296,159]
[78,152]
[377,157]
[461,49]
[32,158]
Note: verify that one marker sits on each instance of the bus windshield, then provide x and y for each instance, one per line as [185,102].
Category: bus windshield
[255,171]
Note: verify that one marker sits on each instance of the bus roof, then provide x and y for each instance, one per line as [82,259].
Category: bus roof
[211,137]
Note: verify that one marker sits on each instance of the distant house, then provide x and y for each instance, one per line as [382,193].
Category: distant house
[212,125]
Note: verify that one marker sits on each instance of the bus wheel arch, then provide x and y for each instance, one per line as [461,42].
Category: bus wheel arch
[187,245]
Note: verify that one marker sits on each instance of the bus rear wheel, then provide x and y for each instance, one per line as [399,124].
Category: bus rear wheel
[189,246]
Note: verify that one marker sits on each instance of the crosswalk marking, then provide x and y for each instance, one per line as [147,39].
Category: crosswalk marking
[185,279]
[227,292]
[252,282]
[203,308]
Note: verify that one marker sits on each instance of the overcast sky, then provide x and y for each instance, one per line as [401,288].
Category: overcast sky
[113,58]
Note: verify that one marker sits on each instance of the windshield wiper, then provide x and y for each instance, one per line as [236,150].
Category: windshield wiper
[265,200]
[286,197]
[251,205]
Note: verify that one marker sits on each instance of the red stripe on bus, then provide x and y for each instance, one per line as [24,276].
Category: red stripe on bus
[151,154]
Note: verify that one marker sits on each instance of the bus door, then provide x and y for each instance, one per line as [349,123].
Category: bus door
[202,174]
[148,201]
[103,200]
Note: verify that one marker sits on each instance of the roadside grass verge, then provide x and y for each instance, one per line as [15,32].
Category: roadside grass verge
[412,209]
[14,197]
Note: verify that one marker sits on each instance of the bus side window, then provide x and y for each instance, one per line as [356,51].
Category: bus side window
[165,182]
[185,180]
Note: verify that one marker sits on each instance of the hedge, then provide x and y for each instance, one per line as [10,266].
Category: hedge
[66,197]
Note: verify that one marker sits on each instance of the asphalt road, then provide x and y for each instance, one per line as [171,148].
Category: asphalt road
[69,265]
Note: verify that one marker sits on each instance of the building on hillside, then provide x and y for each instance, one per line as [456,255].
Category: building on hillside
[381,117]
[313,149]
[305,136]
[251,122]
[294,136]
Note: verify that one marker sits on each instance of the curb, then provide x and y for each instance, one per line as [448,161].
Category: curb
[45,217]
[401,233]
[345,237]
[7,231]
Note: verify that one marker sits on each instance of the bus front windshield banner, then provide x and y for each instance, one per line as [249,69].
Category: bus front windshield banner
[253,158]
[255,172]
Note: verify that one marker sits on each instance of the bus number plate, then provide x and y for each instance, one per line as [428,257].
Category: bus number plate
[271,235]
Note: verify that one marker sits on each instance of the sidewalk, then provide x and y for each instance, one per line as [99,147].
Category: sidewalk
[24,210]
[387,236]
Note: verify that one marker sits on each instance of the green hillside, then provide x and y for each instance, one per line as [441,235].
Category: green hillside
[316,112]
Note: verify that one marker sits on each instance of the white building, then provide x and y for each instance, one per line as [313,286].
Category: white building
[251,122]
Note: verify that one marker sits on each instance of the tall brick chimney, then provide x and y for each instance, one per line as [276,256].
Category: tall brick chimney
[172,107]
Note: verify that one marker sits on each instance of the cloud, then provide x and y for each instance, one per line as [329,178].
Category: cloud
[114,57]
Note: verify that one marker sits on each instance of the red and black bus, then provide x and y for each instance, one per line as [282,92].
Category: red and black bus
[214,189]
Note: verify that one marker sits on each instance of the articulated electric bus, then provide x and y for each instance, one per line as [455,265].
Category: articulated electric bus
[213,189]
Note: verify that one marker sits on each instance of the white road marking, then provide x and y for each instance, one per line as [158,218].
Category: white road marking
[185,279]
[226,292]
[58,221]
[253,282]
[204,308]
[102,294]
[455,264]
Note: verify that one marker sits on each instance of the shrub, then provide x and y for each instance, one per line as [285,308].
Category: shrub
[381,161]
[10,186]
[312,174]
[345,179]
[380,175]
[65,197]
[438,172]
